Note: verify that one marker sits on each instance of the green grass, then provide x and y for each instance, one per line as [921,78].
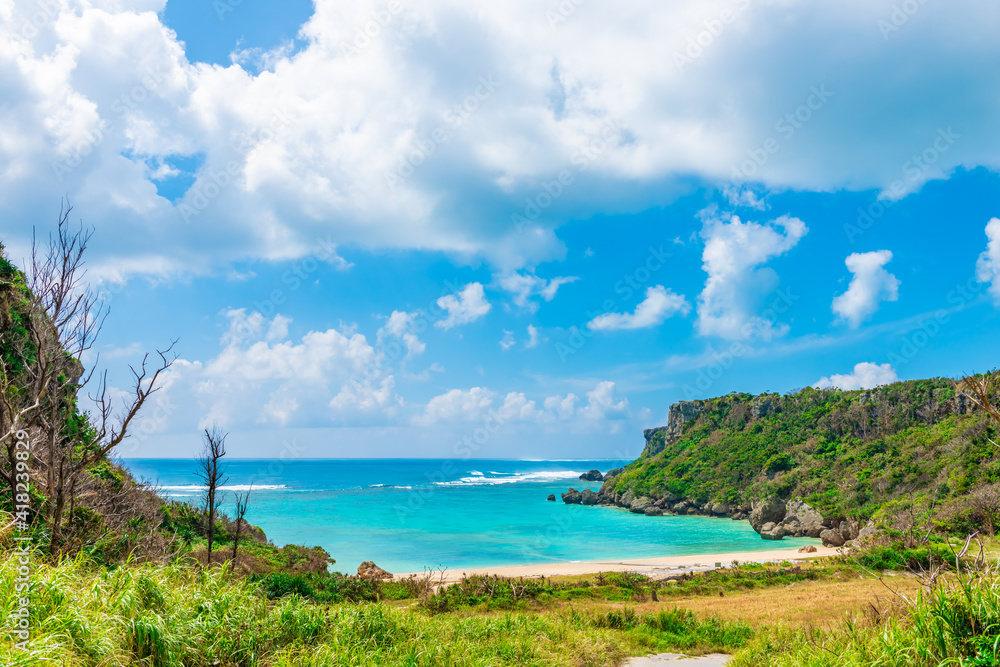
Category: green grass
[181,615]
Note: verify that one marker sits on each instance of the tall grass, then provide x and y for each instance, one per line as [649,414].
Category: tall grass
[955,623]
[174,615]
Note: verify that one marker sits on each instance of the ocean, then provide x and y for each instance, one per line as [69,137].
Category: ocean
[407,515]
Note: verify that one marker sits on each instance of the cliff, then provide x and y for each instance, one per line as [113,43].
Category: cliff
[817,463]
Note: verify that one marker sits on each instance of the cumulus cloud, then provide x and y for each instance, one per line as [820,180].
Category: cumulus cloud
[659,304]
[259,378]
[729,305]
[988,266]
[870,285]
[523,286]
[101,98]
[866,375]
[467,306]
[507,341]
[478,404]
[403,326]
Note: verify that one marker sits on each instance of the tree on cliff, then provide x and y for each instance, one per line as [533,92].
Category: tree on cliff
[50,318]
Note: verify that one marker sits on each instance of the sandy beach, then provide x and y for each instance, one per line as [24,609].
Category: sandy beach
[653,567]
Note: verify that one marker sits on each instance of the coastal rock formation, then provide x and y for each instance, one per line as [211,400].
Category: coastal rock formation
[772,531]
[592,476]
[552,497]
[371,571]
[801,520]
[808,549]
[588,497]
[832,538]
[657,439]
[771,510]
[653,511]
[572,497]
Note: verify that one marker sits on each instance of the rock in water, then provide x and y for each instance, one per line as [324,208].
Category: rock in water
[572,497]
[772,531]
[588,497]
[371,571]
[592,476]
[552,497]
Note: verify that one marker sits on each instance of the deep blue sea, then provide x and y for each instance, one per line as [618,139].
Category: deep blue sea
[409,514]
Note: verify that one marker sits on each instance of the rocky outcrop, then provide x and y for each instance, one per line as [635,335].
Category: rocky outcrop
[771,510]
[552,497]
[808,549]
[588,497]
[832,538]
[657,439]
[371,571]
[592,476]
[801,520]
[772,531]
[572,497]
[762,406]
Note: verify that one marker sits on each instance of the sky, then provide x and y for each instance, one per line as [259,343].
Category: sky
[507,230]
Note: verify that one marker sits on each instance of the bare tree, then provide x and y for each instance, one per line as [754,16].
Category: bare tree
[212,473]
[978,389]
[242,501]
[54,318]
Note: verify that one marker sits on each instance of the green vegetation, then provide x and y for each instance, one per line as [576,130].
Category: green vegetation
[172,615]
[955,623]
[846,453]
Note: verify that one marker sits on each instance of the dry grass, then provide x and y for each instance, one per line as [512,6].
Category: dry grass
[814,603]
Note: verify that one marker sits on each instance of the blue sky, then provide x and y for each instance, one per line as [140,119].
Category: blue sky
[510,232]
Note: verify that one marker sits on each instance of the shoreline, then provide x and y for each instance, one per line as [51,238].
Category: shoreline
[652,567]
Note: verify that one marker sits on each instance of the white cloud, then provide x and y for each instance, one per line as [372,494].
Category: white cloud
[988,266]
[311,162]
[737,284]
[468,306]
[458,405]
[532,337]
[327,378]
[870,285]
[478,404]
[659,304]
[526,285]
[866,375]
[403,325]
[603,403]
[507,341]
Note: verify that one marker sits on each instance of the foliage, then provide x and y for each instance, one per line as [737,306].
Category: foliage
[846,453]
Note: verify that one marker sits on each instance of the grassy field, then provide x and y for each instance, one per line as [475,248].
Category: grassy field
[184,614]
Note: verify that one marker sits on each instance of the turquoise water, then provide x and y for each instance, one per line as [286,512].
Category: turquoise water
[410,514]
